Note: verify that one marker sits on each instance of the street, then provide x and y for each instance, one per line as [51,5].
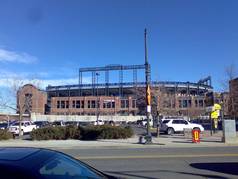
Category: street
[200,162]
[170,156]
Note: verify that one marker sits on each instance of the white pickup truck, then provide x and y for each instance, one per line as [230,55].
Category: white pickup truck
[26,127]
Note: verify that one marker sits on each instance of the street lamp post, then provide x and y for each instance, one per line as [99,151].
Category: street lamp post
[98,104]
[148,138]
[222,119]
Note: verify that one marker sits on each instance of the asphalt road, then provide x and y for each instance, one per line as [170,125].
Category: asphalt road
[205,162]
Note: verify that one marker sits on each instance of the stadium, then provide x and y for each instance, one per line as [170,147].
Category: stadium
[120,98]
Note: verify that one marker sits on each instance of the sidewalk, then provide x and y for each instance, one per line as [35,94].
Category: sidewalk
[164,141]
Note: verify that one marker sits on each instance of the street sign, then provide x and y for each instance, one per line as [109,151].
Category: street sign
[149,108]
[216,107]
[214,114]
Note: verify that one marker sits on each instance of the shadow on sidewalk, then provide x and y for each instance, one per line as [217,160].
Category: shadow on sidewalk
[141,174]
[225,167]
[201,141]
[182,142]
[126,142]
[216,141]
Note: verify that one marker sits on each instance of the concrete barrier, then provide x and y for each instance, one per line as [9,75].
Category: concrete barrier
[187,133]
[229,131]
[84,118]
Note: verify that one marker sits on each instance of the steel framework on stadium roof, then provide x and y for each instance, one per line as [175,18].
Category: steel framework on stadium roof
[202,84]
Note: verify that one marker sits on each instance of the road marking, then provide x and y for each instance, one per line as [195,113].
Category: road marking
[155,156]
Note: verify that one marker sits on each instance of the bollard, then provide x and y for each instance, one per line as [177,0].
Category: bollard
[157,130]
[196,135]
[141,140]
[145,139]
[148,139]
[187,133]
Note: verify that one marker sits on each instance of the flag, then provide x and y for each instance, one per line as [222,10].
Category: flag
[148,94]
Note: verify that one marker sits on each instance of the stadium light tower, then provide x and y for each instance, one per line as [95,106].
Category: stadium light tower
[148,138]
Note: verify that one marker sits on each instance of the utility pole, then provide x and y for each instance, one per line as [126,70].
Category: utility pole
[68,104]
[209,103]
[98,103]
[148,138]
[222,119]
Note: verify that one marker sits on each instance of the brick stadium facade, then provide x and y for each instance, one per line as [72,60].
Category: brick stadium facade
[88,105]
[122,98]
[172,98]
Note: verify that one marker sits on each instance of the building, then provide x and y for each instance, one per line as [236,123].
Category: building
[31,99]
[169,98]
[87,105]
[126,98]
[233,107]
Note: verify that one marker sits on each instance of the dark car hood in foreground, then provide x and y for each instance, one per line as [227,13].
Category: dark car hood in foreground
[24,160]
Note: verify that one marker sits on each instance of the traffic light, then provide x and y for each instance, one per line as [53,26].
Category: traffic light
[209,99]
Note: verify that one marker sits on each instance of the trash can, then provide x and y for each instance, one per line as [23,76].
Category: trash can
[196,135]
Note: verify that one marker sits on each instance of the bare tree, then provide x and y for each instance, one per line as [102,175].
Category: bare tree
[140,95]
[230,72]
[16,102]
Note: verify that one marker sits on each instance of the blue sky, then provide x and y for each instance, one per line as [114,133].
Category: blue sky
[50,39]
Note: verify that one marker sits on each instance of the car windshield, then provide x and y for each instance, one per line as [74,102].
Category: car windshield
[38,122]
[65,167]
[70,122]
[56,123]
[84,123]
[17,124]
[165,121]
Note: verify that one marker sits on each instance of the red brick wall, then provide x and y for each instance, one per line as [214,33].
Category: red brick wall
[234,98]
[86,110]
[39,98]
